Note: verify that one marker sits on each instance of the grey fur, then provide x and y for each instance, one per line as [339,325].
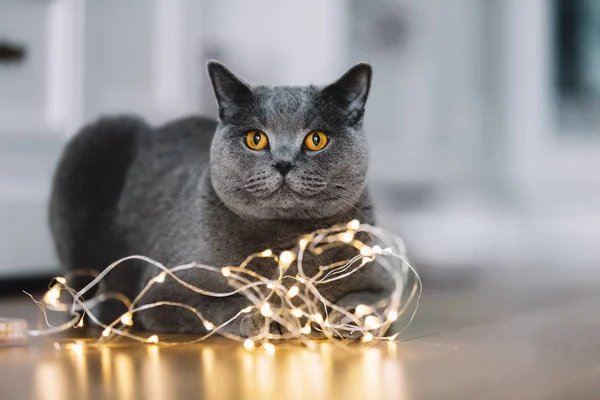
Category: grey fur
[193,191]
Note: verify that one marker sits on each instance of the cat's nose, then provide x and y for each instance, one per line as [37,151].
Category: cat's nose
[283,167]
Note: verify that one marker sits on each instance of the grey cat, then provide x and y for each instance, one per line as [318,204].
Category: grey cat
[280,162]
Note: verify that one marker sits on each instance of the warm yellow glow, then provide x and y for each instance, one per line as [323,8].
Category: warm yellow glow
[265,310]
[286,258]
[318,318]
[268,290]
[392,315]
[365,251]
[372,322]
[294,290]
[127,319]
[160,278]
[296,312]
[75,347]
[52,296]
[353,225]
[249,344]
[303,243]
[347,236]
[362,310]
[269,348]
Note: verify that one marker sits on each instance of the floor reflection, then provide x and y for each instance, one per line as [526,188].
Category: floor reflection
[228,371]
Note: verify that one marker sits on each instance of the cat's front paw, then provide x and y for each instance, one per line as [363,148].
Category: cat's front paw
[253,324]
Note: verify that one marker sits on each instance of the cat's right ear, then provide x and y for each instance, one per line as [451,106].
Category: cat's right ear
[230,91]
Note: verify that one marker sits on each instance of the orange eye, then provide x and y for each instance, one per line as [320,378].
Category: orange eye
[315,141]
[256,140]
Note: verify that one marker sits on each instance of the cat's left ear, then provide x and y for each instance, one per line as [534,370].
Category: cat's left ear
[352,89]
[230,91]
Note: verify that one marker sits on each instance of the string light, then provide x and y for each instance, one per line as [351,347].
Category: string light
[347,236]
[51,297]
[272,298]
[265,310]
[296,312]
[286,258]
[267,253]
[362,310]
[126,319]
[294,290]
[160,278]
[353,225]
[249,344]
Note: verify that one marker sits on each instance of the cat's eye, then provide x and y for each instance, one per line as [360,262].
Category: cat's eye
[256,140]
[315,141]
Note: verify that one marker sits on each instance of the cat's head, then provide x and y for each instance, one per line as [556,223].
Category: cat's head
[289,152]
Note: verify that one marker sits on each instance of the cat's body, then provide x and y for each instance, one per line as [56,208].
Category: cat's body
[183,193]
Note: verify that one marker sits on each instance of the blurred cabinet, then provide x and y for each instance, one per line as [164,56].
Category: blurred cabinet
[81,59]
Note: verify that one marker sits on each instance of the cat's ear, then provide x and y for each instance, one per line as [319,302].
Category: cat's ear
[230,91]
[352,89]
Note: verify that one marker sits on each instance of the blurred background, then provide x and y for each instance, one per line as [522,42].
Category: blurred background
[483,118]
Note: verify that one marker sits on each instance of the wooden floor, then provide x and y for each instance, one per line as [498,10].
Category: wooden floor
[516,337]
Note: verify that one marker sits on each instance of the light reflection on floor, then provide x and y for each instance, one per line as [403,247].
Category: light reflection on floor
[220,370]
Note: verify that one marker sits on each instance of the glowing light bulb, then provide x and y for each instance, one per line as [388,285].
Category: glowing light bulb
[61,280]
[365,251]
[318,318]
[160,278]
[270,349]
[249,344]
[353,225]
[368,336]
[302,244]
[209,325]
[267,253]
[246,310]
[372,322]
[296,312]
[286,258]
[126,319]
[305,329]
[153,339]
[362,310]
[392,315]
[265,310]
[80,323]
[226,271]
[347,236]
[270,285]
[294,290]
[52,296]
[106,332]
